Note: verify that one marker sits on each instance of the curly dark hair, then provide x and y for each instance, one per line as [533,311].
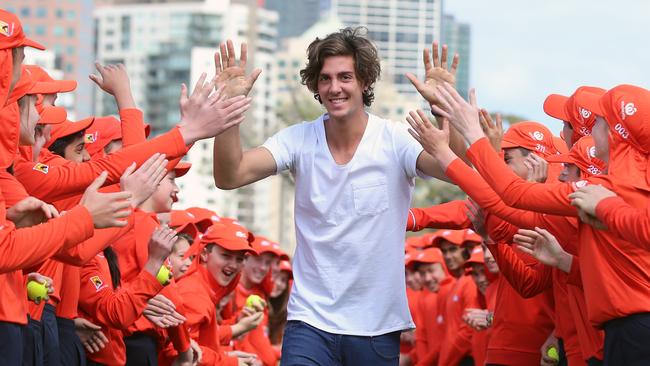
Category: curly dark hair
[346,42]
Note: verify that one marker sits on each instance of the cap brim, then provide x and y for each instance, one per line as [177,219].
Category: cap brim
[181,169]
[505,144]
[31,43]
[555,106]
[560,158]
[51,87]
[51,115]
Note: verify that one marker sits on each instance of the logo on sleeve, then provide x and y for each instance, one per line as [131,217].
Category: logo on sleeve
[6,29]
[40,167]
[97,282]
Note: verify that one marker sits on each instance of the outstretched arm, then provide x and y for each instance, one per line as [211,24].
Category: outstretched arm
[232,167]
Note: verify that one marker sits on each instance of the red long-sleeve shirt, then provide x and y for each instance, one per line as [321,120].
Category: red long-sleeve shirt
[457,342]
[614,272]
[202,294]
[114,310]
[625,221]
[532,280]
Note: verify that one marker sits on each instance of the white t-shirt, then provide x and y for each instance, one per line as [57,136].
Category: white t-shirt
[349,263]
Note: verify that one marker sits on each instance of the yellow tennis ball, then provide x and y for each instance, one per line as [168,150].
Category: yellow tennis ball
[164,275]
[253,300]
[36,291]
[553,354]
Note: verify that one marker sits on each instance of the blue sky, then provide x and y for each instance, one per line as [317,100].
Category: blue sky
[524,50]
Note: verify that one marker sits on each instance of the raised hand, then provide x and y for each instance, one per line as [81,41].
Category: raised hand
[106,208]
[31,211]
[232,74]
[462,115]
[142,183]
[544,247]
[433,139]
[111,78]
[588,197]
[436,74]
[537,168]
[205,115]
[494,132]
[161,244]
[91,335]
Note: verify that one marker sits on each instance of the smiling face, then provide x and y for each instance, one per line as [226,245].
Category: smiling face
[223,264]
[280,283]
[432,275]
[413,279]
[341,92]
[258,266]
[453,254]
[165,195]
[180,265]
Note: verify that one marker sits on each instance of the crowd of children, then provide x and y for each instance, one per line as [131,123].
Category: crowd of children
[543,263]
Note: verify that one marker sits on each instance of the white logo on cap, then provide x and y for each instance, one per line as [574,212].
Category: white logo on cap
[585,113]
[591,152]
[240,234]
[538,136]
[264,243]
[421,255]
[215,218]
[440,319]
[627,109]
[190,214]
[446,233]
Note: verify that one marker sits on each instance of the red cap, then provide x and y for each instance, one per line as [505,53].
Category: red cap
[626,108]
[415,242]
[264,245]
[471,237]
[204,217]
[285,266]
[101,133]
[68,128]
[22,87]
[429,255]
[279,252]
[182,168]
[183,222]
[45,84]
[456,237]
[11,33]
[475,257]
[531,136]
[571,110]
[560,144]
[227,236]
[583,155]
[52,115]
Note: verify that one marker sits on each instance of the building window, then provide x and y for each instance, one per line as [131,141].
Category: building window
[109,47]
[57,30]
[41,12]
[40,30]
[71,14]
[70,50]
[69,68]
[59,13]
[24,12]
[71,32]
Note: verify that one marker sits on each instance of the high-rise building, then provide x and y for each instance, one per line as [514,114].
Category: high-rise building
[400,28]
[457,36]
[296,16]
[65,28]
[164,44]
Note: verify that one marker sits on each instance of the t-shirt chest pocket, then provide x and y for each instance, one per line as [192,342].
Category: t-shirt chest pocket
[370,196]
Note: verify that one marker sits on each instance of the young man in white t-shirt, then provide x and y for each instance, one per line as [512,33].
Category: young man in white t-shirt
[354,176]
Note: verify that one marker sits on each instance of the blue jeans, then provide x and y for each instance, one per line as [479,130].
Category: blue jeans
[305,345]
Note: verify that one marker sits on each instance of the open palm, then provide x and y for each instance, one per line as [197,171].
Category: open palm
[435,74]
[231,73]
